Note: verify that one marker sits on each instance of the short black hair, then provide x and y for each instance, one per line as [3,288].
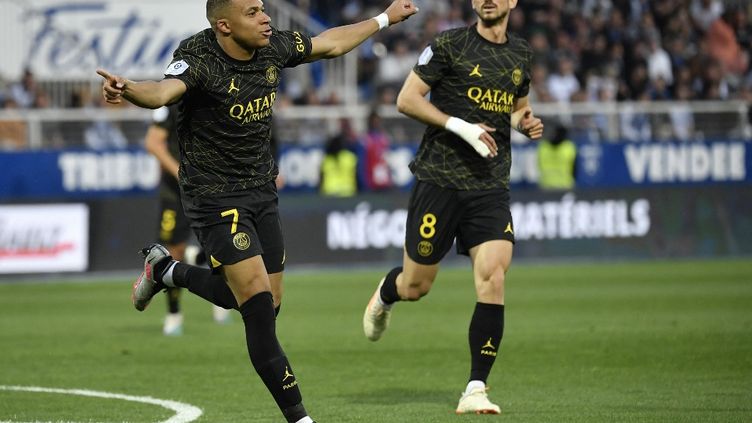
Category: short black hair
[213,8]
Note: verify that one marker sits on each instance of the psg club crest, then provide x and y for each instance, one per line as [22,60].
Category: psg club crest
[517,76]
[271,74]
[241,240]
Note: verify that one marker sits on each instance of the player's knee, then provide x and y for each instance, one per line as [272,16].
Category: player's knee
[491,283]
[245,288]
[417,289]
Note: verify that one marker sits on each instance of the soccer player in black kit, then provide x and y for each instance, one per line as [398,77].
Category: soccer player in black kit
[478,77]
[226,78]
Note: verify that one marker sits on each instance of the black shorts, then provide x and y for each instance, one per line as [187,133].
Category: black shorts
[437,215]
[173,225]
[234,226]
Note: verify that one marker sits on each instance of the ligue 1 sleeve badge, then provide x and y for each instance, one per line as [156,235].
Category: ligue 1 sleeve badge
[176,68]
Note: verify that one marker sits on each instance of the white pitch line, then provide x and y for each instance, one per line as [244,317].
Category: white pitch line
[184,413]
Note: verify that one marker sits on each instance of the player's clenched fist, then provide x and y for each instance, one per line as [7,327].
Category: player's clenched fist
[113,86]
[400,10]
[530,125]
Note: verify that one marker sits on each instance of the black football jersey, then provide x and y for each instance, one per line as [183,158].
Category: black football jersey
[225,115]
[478,81]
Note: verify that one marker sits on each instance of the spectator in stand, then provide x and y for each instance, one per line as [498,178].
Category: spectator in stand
[541,49]
[576,29]
[13,134]
[557,160]
[659,62]
[638,82]
[563,83]
[539,90]
[723,44]
[24,92]
[714,84]
[376,173]
[103,133]
[682,119]
[453,19]
[339,169]
[705,12]
[393,67]
[635,122]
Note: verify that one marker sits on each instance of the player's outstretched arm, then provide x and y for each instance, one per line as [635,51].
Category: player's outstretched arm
[335,42]
[148,94]
[412,102]
[524,121]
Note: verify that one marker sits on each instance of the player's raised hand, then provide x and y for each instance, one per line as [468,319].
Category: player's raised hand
[400,10]
[530,125]
[113,86]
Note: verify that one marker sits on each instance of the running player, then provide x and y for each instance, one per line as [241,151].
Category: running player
[478,77]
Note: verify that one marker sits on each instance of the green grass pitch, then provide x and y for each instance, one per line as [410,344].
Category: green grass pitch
[616,342]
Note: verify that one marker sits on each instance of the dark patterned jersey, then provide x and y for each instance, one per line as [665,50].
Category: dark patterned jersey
[167,119]
[225,115]
[478,81]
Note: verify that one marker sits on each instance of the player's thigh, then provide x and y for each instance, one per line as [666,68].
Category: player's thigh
[269,229]
[432,216]
[246,278]
[486,217]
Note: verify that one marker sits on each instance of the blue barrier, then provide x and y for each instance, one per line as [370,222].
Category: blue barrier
[82,174]
[77,174]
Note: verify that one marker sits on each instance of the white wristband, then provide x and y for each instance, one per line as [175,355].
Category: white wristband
[382,20]
[470,133]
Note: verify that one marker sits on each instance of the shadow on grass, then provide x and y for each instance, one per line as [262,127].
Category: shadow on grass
[390,396]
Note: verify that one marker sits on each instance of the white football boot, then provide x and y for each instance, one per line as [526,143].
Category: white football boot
[376,316]
[476,402]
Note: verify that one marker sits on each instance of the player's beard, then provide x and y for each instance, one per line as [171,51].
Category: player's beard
[488,22]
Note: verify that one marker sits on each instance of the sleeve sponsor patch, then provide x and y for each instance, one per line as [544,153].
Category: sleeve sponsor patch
[426,56]
[176,68]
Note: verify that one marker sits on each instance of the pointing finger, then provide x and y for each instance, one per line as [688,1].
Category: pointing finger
[106,75]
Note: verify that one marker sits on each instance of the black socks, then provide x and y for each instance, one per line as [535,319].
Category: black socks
[205,284]
[388,291]
[160,267]
[267,356]
[486,331]
[173,300]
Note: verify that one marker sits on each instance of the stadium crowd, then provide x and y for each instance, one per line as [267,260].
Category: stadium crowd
[585,50]
[595,50]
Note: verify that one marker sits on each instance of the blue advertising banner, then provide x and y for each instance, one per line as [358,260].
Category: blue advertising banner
[642,164]
[77,174]
[599,165]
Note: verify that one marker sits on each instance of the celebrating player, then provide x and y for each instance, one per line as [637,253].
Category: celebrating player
[227,78]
